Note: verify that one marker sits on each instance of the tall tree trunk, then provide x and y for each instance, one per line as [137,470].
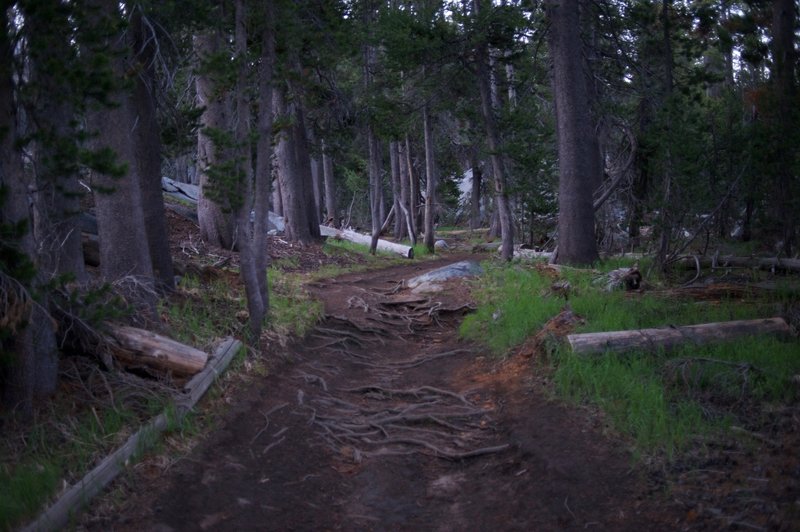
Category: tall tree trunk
[303,162]
[59,192]
[148,151]
[475,195]
[493,142]
[254,189]
[783,77]
[216,223]
[374,187]
[330,186]
[30,359]
[405,192]
[430,180]
[292,187]
[277,197]
[413,191]
[399,213]
[577,143]
[124,249]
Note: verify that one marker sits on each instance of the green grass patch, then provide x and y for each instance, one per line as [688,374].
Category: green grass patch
[200,313]
[292,311]
[663,401]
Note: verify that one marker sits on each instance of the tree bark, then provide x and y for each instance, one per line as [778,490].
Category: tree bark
[291,181]
[148,151]
[399,216]
[493,142]
[430,180]
[59,193]
[31,369]
[413,190]
[215,220]
[577,143]
[405,192]
[303,162]
[374,187]
[330,186]
[475,196]
[124,249]
[672,337]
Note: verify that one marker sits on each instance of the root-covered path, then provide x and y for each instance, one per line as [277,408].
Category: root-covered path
[384,420]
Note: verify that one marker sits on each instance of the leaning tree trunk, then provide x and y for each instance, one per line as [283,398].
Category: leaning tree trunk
[413,190]
[430,180]
[577,143]
[493,142]
[216,225]
[148,152]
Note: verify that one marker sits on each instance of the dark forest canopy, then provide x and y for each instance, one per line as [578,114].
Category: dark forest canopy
[593,126]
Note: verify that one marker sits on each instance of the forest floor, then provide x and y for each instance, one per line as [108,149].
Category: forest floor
[383,419]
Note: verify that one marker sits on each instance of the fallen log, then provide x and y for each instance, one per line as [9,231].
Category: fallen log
[763,263]
[58,516]
[137,346]
[671,337]
[358,238]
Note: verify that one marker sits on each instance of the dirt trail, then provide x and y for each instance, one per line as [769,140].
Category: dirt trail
[385,420]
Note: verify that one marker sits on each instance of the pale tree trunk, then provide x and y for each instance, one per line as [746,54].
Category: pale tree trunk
[32,368]
[413,190]
[124,249]
[59,193]
[277,198]
[216,225]
[493,143]
[374,188]
[475,196]
[577,143]
[316,180]
[430,180]
[405,192]
[666,222]
[330,186]
[148,152]
[399,216]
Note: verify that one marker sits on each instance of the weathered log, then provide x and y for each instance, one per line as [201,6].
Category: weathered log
[764,263]
[137,346]
[358,238]
[669,338]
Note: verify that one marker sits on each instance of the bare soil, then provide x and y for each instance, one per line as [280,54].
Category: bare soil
[384,419]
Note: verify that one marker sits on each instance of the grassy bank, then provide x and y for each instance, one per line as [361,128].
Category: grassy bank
[661,400]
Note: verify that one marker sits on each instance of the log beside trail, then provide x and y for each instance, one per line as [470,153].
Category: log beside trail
[58,515]
[137,346]
[366,240]
[671,337]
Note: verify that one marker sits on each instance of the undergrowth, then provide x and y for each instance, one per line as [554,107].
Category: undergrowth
[663,401]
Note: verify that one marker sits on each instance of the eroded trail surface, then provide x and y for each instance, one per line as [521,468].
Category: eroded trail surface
[384,420]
